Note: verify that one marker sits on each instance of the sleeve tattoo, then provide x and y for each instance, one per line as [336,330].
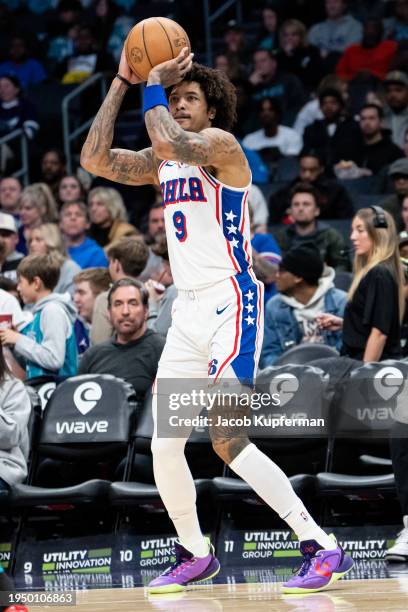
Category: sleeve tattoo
[120,165]
[170,141]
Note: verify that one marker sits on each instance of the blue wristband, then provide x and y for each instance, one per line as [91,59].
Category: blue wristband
[154,95]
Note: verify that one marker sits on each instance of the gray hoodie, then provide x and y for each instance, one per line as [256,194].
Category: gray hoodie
[15,410]
[305,314]
[57,318]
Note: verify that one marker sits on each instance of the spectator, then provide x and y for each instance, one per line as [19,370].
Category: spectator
[306,289]
[272,140]
[127,259]
[37,206]
[334,136]
[333,36]
[371,324]
[396,27]
[376,150]
[9,256]
[15,409]
[70,189]
[396,109]
[74,224]
[108,216]
[268,38]
[85,60]
[305,229]
[333,199]
[235,44]
[46,239]
[134,352]
[267,81]
[296,56]
[372,56]
[155,224]
[88,285]
[15,111]
[48,343]
[399,175]
[10,193]
[53,169]
[27,70]
[162,292]
[230,66]
[311,110]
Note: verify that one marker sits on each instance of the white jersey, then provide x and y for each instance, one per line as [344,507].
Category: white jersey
[207,226]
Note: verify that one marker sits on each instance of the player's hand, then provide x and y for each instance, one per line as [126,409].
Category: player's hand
[125,71]
[9,336]
[173,71]
[329,322]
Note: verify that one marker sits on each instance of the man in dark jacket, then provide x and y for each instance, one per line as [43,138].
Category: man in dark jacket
[335,135]
[376,149]
[134,352]
[333,199]
[304,210]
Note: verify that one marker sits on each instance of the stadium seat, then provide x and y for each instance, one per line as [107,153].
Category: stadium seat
[198,448]
[88,417]
[362,419]
[304,353]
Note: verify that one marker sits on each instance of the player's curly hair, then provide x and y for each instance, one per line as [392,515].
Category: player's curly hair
[219,93]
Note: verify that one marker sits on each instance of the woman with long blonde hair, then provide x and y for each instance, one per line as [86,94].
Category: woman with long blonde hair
[38,206]
[108,216]
[375,308]
[46,239]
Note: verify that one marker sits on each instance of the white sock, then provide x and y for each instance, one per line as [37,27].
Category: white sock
[273,486]
[177,490]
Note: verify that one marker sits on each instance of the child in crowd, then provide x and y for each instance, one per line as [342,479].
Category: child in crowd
[47,344]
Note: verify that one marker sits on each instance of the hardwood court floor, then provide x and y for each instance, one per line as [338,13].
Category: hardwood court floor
[351,595]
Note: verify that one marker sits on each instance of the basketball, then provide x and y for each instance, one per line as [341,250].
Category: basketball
[153,41]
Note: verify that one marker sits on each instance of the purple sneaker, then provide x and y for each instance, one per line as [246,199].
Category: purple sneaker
[319,570]
[186,570]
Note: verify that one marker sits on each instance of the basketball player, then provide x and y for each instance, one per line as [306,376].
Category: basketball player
[217,323]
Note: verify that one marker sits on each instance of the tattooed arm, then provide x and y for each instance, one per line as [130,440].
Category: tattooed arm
[120,165]
[209,147]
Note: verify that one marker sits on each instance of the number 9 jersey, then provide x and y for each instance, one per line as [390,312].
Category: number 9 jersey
[207,226]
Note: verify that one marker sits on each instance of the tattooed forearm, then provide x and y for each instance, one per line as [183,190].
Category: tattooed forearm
[170,141]
[100,135]
[120,165]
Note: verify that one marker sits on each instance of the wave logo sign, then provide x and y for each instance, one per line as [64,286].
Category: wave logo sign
[388,381]
[45,392]
[86,396]
[285,385]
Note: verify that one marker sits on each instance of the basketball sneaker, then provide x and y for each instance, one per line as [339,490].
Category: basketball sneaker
[319,570]
[399,551]
[186,570]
